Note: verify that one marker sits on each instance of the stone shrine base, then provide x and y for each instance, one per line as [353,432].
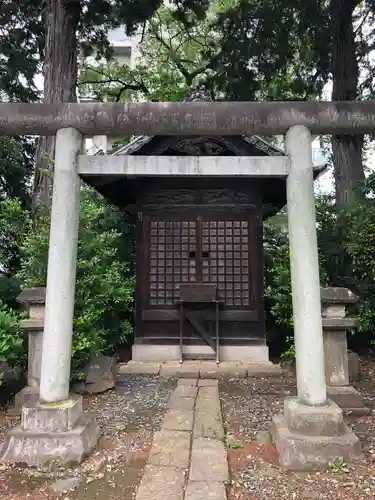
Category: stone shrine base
[310,437]
[51,433]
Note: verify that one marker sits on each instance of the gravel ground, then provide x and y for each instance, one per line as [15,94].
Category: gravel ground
[248,407]
[127,417]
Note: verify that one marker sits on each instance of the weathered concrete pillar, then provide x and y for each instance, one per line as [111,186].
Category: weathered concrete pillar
[335,324]
[311,432]
[53,427]
[61,274]
[304,268]
[34,300]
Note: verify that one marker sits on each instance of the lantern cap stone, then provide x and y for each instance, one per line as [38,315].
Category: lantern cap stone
[338,295]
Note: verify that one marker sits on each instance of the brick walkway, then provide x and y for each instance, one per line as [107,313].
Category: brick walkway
[188,460]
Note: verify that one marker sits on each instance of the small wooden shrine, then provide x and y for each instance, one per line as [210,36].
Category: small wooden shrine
[199,270]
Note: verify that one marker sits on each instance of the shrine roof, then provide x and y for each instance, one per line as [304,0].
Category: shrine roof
[124,191]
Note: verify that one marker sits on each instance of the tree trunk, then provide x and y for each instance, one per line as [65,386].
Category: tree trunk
[347,149]
[60,81]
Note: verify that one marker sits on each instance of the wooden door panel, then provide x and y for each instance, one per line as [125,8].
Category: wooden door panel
[226,258]
[172,259]
[215,248]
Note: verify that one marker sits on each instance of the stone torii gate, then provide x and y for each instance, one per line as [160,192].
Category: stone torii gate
[311,428]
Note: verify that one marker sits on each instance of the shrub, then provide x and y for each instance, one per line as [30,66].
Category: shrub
[105,276]
[12,349]
[360,245]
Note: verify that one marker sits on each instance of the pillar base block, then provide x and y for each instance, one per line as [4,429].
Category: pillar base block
[24,396]
[348,399]
[301,448]
[51,434]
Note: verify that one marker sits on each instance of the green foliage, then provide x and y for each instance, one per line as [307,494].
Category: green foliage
[16,167]
[12,348]
[360,245]
[14,223]
[105,276]
[22,37]
[233,442]
[338,466]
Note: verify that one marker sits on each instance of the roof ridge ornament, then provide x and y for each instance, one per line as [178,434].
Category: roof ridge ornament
[198,93]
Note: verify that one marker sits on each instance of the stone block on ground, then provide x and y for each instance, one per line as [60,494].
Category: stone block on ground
[187,381]
[186,370]
[208,425]
[308,453]
[208,399]
[348,399]
[100,375]
[161,483]
[222,370]
[263,369]
[139,368]
[208,418]
[208,382]
[326,420]
[170,449]
[37,449]
[66,484]
[178,420]
[208,461]
[177,402]
[186,391]
[205,491]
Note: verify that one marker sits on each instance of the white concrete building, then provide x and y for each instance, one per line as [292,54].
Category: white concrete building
[126,52]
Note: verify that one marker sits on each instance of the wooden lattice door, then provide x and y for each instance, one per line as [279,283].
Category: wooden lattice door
[173,250]
[225,259]
[214,249]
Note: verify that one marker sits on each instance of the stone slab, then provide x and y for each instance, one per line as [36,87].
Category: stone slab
[178,420]
[61,417]
[208,424]
[205,491]
[138,368]
[66,484]
[186,391]
[223,370]
[324,420]
[347,398]
[187,381]
[263,369]
[161,483]
[310,453]
[208,382]
[177,402]
[208,461]
[209,397]
[60,448]
[186,370]
[170,449]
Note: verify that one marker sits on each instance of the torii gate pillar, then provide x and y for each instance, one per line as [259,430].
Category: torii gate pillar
[311,432]
[53,427]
